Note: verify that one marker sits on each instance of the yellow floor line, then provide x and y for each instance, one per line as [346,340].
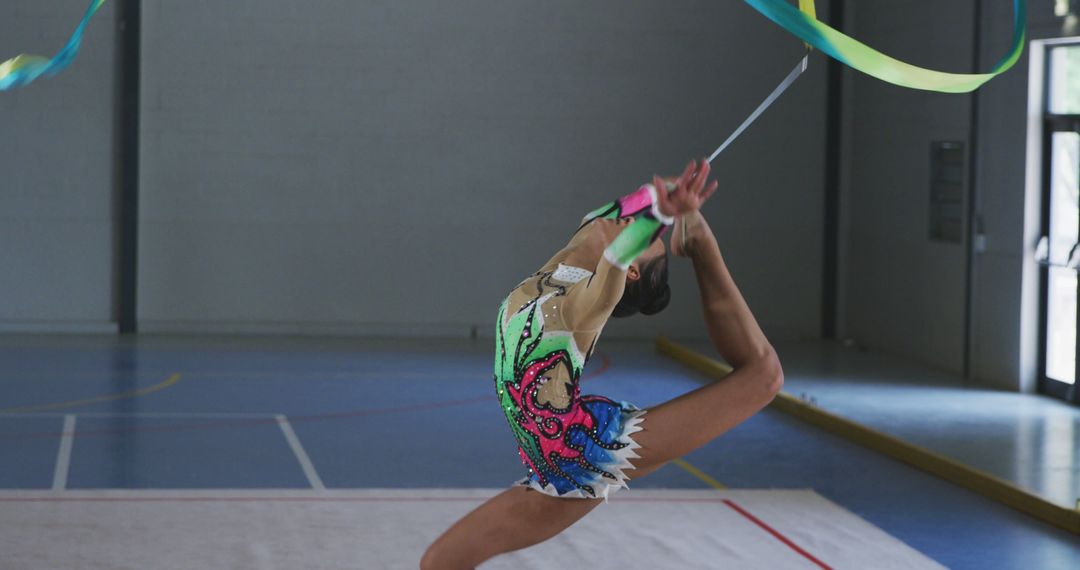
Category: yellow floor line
[96,400]
[965,476]
[699,474]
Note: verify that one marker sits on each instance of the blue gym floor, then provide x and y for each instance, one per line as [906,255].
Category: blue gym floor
[420,414]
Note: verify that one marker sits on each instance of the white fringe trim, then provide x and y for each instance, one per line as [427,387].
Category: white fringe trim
[631,424]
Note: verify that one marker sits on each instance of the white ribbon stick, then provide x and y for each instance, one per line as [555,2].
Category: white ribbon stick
[791,77]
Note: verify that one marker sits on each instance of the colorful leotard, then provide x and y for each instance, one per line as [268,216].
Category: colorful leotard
[573,445]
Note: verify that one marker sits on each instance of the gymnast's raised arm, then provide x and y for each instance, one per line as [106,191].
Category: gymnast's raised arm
[652,209]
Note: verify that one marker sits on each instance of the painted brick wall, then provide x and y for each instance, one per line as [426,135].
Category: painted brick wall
[395,167]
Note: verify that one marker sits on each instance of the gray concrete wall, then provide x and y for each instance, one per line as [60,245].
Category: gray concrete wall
[57,182]
[395,167]
[903,292]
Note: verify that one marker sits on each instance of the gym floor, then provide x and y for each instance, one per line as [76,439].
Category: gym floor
[255,413]
[1030,440]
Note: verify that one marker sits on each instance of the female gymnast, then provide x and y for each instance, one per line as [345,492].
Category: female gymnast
[577,447]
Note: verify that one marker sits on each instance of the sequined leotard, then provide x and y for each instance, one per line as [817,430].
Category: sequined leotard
[574,445]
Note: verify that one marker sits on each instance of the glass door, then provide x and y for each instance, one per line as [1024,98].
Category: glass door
[1059,251]
[1063,232]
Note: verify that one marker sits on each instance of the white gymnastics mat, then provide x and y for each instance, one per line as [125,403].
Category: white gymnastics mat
[380,528]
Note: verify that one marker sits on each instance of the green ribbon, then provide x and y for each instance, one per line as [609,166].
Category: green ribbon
[860,56]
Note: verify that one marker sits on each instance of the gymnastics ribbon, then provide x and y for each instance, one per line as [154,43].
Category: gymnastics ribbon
[24,69]
[858,55]
[801,21]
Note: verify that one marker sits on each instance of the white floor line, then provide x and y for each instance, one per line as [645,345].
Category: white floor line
[63,456]
[180,415]
[160,415]
[301,455]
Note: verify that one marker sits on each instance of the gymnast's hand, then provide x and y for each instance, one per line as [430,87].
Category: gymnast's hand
[687,192]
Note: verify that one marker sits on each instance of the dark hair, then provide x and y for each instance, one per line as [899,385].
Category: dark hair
[648,295]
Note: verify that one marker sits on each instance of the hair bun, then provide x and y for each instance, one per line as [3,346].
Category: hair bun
[658,303]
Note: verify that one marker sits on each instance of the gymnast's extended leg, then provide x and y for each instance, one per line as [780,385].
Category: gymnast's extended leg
[514,519]
[679,426]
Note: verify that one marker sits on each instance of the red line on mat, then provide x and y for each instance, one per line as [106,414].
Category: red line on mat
[775,533]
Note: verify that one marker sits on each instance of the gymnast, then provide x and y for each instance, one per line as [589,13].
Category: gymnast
[578,448]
